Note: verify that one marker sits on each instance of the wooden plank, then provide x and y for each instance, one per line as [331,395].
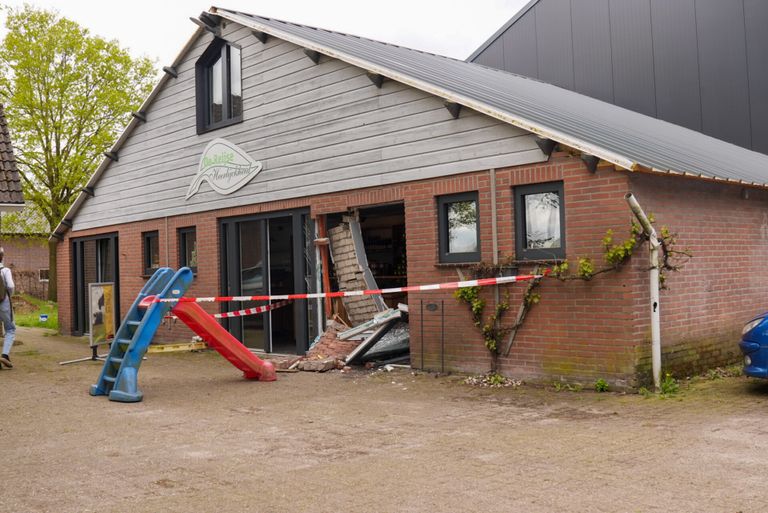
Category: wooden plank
[211,201]
[137,158]
[324,157]
[176,348]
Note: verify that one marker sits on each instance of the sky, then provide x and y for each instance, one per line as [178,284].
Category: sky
[158,29]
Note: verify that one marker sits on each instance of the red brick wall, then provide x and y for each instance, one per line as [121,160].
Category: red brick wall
[580,330]
[723,286]
[26,256]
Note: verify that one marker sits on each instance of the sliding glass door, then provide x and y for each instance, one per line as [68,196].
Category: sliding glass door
[266,255]
[94,260]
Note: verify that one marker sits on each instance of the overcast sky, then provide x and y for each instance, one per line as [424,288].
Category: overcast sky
[159,28]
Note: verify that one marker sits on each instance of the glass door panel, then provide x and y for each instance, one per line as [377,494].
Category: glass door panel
[253,281]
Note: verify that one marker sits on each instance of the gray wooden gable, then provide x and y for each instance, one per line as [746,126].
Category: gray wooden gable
[700,64]
[317,128]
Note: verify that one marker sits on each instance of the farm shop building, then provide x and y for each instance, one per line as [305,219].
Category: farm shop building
[262,130]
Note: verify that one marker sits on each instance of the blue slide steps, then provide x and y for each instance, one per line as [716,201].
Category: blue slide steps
[118,378]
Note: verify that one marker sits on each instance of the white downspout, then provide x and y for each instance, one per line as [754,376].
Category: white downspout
[653,241]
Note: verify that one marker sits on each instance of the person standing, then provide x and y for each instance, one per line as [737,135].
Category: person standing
[6,311]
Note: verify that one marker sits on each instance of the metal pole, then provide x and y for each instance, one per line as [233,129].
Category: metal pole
[654,243]
[442,336]
[421,317]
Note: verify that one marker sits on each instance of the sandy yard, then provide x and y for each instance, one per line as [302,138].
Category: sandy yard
[206,440]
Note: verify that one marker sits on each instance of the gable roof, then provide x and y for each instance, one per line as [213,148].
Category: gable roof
[624,138]
[11,197]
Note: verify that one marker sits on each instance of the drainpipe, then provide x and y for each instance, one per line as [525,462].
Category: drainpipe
[653,241]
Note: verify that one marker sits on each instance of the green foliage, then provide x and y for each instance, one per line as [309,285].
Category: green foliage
[491,328]
[617,254]
[601,385]
[531,298]
[645,392]
[496,380]
[559,386]
[586,269]
[471,296]
[67,94]
[669,385]
[560,270]
[27,310]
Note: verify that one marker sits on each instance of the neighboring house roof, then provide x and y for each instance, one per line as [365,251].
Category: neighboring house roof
[696,63]
[11,197]
[625,138]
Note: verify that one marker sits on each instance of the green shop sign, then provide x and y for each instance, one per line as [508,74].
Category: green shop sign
[225,167]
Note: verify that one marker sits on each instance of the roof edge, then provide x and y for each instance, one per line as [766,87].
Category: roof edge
[12,207]
[61,228]
[478,106]
[527,7]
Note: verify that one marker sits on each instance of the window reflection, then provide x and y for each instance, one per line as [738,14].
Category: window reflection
[462,227]
[217,93]
[542,220]
[236,92]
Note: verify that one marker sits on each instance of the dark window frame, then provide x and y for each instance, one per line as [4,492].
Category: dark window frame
[445,257]
[47,272]
[521,252]
[147,268]
[203,68]
[182,234]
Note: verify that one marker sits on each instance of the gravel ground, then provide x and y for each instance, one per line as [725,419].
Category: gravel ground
[205,440]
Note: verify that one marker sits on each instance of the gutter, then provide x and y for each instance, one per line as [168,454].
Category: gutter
[653,277]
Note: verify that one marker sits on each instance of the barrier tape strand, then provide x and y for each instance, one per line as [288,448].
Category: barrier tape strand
[483,282]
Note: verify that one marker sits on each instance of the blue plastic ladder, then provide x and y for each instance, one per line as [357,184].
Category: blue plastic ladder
[118,377]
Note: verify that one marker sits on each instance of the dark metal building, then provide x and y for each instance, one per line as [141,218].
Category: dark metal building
[700,64]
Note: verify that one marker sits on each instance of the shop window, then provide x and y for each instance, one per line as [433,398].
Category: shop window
[218,77]
[43,274]
[151,252]
[188,248]
[459,228]
[540,221]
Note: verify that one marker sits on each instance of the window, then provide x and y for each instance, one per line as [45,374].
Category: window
[188,248]
[459,231]
[539,221]
[219,87]
[151,252]
[43,273]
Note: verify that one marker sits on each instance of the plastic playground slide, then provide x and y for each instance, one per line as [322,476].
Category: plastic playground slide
[206,327]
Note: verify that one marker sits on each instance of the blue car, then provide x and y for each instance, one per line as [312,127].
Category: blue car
[754,346]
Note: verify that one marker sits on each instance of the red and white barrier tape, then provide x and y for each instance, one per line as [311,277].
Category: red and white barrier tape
[247,311]
[318,295]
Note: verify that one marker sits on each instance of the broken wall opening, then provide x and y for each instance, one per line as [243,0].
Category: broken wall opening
[368,251]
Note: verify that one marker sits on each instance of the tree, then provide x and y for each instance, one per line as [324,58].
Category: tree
[67,94]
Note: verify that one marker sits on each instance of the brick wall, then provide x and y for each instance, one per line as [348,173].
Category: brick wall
[26,256]
[580,331]
[349,275]
[723,286]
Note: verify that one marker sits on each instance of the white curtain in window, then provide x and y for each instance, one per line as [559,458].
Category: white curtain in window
[542,220]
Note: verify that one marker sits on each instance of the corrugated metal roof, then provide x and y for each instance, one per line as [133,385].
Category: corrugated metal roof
[628,139]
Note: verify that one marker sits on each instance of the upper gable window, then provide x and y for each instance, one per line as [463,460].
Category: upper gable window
[219,87]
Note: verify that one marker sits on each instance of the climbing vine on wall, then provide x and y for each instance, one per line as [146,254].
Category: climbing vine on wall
[615,256]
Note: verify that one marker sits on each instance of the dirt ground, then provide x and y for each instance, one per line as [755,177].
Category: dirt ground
[206,440]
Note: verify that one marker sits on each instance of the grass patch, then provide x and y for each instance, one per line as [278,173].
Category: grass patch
[27,311]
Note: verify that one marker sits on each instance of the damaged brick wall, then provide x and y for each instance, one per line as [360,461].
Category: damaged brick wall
[349,275]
